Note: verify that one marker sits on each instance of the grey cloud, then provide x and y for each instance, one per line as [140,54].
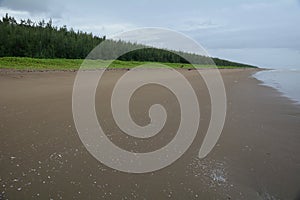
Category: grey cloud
[248,38]
[29,5]
[33,6]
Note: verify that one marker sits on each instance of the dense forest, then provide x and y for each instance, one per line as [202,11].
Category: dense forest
[43,40]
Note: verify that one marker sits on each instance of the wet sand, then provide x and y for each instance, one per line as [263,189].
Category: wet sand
[42,157]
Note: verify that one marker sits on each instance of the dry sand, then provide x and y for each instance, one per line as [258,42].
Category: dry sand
[42,157]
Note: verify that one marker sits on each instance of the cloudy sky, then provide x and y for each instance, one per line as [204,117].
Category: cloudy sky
[260,32]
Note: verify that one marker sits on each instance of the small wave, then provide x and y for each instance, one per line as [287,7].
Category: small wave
[287,81]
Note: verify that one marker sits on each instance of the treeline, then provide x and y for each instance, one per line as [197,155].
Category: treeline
[43,40]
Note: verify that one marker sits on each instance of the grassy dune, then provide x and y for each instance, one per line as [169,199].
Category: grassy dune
[18,63]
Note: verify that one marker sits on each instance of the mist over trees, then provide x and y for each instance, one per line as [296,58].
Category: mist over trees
[43,40]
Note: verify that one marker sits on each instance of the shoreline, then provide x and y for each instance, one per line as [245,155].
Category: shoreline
[279,85]
[255,157]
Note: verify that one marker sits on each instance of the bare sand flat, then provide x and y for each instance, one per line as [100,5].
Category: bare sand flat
[42,157]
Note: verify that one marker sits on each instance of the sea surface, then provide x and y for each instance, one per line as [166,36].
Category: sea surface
[287,81]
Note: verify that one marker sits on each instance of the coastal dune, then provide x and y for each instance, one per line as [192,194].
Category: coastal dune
[256,157]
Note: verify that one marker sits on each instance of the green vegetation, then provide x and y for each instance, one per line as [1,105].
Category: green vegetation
[21,63]
[35,63]
[53,46]
[42,40]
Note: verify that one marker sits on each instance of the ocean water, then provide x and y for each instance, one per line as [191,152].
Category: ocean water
[287,81]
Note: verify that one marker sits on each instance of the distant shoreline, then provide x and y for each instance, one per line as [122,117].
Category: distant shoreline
[6,70]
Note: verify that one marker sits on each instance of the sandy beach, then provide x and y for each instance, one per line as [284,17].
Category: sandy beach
[42,157]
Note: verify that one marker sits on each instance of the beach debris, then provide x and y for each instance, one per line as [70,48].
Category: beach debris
[218,175]
[212,173]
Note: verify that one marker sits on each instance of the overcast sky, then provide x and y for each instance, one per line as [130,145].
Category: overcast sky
[260,32]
